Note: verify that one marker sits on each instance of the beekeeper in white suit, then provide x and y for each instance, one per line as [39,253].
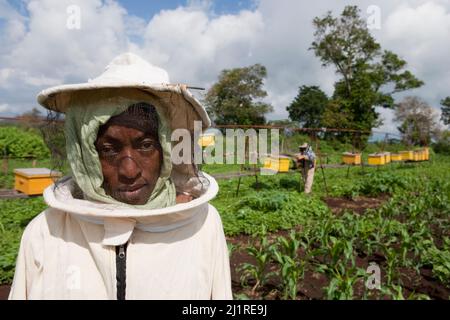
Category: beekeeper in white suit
[128,224]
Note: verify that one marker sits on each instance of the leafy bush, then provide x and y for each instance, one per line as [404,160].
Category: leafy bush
[265,202]
[442,146]
[18,143]
[439,260]
[274,210]
[290,183]
[374,184]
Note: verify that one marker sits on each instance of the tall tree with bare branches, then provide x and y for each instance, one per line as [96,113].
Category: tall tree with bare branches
[419,122]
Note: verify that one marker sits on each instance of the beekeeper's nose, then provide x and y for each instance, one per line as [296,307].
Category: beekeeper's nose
[129,168]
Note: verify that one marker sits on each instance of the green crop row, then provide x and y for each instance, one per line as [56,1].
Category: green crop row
[14,217]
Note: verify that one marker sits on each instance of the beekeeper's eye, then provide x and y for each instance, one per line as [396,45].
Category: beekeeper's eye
[107,150]
[148,145]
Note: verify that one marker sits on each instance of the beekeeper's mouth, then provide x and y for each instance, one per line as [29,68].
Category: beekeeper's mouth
[134,194]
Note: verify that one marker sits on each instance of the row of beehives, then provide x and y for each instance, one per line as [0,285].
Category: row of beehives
[382,158]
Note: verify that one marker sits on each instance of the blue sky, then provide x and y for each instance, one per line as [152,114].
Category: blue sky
[147,8]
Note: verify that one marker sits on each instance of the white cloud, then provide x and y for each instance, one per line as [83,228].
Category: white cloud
[195,47]
[135,26]
[4,107]
[42,51]
[9,79]
[50,48]
[14,27]
[387,116]
[420,34]
[5,74]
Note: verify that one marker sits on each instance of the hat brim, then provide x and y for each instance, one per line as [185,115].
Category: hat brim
[58,98]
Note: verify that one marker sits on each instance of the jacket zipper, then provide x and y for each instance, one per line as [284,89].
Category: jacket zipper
[121,270]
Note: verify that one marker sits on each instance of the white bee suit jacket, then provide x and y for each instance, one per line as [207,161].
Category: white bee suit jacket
[69,250]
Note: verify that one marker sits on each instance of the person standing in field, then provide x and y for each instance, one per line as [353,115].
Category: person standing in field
[129,223]
[306,162]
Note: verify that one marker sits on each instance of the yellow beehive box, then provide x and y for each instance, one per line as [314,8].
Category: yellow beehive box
[280,164]
[376,159]
[426,152]
[387,157]
[407,155]
[33,181]
[422,155]
[396,157]
[206,140]
[416,156]
[351,158]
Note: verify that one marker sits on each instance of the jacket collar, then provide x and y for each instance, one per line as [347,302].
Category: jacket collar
[120,221]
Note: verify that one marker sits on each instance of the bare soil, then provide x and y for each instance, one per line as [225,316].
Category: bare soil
[4,291]
[358,205]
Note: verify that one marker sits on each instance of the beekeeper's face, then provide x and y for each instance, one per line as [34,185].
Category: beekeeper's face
[131,163]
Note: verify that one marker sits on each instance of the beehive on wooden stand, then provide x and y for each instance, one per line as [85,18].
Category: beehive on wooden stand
[280,163]
[351,158]
[395,157]
[376,159]
[33,181]
[407,155]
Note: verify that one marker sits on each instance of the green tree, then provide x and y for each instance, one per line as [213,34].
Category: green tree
[369,76]
[337,115]
[236,97]
[445,116]
[442,144]
[308,106]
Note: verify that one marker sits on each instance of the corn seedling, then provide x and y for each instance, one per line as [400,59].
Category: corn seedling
[231,248]
[261,252]
[285,253]
[391,264]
